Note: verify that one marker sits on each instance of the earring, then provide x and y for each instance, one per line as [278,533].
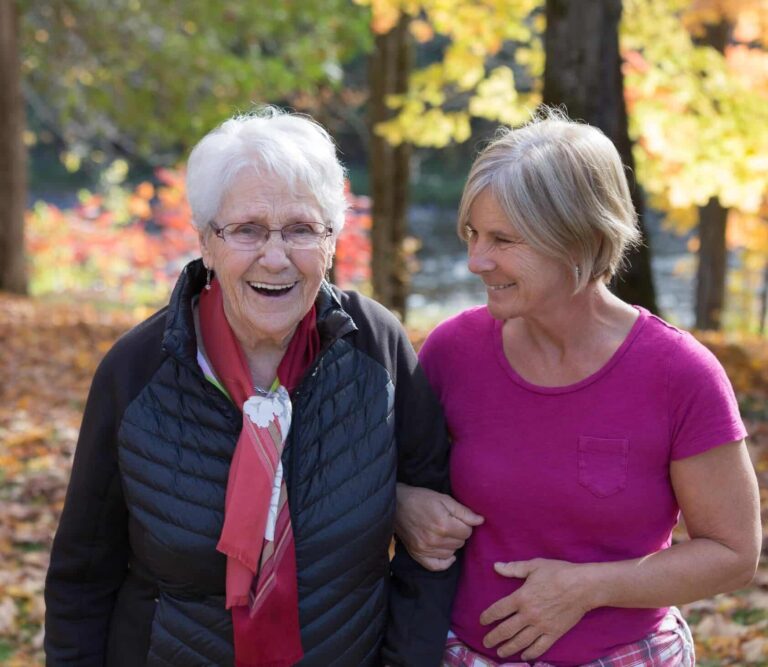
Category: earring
[208,276]
[578,272]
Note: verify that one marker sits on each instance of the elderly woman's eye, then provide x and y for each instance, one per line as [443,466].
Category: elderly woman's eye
[304,229]
[246,230]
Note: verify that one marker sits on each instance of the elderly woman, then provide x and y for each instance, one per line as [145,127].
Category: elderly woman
[233,489]
[581,427]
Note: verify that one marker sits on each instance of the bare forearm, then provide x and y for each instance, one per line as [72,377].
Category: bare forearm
[717,493]
[689,571]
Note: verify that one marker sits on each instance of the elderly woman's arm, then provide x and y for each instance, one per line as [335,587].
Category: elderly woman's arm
[90,551]
[718,496]
[420,600]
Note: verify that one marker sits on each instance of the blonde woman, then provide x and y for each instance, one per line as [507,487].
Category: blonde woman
[582,426]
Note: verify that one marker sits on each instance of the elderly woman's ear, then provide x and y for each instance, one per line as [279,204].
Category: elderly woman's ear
[204,250]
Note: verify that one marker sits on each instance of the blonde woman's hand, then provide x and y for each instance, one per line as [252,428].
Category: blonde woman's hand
[552,600]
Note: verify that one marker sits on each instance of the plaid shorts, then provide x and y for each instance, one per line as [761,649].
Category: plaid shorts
[670,646]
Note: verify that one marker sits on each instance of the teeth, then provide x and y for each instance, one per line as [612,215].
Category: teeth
[498,287]
[268,286]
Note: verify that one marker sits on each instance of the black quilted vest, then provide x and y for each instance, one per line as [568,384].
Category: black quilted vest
[175,444]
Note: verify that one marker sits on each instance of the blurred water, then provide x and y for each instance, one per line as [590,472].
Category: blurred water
[444,286]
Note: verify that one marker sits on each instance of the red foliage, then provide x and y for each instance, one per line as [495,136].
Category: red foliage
[353,249]
[130,245]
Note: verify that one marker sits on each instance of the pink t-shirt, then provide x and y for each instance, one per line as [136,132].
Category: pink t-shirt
[577,473]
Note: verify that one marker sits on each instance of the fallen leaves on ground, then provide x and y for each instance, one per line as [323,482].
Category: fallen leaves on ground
[48,355]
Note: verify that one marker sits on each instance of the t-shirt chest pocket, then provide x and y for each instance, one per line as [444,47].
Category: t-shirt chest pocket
[602,464]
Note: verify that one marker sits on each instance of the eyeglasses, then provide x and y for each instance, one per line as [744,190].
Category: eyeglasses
[252,236]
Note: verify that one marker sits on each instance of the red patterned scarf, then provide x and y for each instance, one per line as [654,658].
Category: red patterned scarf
[257,536]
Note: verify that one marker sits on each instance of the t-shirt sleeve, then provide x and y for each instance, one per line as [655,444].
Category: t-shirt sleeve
[704,412]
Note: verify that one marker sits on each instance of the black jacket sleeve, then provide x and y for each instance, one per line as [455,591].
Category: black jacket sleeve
[90,553]
[420,600]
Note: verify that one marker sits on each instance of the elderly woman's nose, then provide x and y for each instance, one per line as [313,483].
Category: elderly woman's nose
[274,252]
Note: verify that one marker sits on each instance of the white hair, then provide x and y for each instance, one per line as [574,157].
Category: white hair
[563,188]
[291,147]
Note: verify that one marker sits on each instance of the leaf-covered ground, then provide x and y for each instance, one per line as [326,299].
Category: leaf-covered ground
[48,354]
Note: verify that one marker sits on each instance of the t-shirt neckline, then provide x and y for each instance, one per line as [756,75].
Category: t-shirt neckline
[498,345]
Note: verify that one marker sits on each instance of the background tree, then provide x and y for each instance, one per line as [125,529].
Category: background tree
[12,156]
[713,23]
[389,168]
[492,69]
[713,218]
[432,105]
[583,73]
[701,123]
[689,112]
[147,79]
[490,65]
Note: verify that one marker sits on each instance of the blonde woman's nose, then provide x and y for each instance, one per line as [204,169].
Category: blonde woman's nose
[479,260]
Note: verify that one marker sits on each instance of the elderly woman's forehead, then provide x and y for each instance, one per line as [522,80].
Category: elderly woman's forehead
[250,181]
[249,189]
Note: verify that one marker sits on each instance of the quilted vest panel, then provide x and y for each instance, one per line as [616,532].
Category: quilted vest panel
[176,442]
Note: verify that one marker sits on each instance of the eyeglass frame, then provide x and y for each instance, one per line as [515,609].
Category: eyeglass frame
[219,233]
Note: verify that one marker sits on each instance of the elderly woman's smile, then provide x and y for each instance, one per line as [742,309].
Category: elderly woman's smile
[268,284]
[272,291]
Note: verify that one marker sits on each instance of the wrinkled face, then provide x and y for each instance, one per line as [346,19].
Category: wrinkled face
[267,291]
[520,280]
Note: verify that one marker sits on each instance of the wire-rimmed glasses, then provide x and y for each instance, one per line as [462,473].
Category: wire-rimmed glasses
[253,236]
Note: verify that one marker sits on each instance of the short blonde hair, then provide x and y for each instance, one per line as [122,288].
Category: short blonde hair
[563,188]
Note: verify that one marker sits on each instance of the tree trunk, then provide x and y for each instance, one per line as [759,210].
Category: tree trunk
[13,167]
[764,302]
[389,170]
[583,72]
[710,276]
[713,219]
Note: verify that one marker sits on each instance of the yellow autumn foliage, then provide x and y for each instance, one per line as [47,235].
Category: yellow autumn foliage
[701,127]
[442,97]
